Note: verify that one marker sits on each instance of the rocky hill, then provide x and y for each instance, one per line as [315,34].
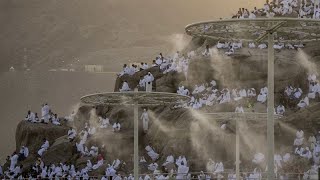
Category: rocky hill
[184,131]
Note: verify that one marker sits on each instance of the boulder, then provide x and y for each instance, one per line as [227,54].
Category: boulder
[31,135]
[61,150]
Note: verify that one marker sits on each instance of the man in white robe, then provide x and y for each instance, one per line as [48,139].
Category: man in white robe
[125,87]
[182,172]
[239,109]
[262,98]
[72,133]
[142,82]
[104,122]
[169,160]
[152,154]
[251,92]
[24,153]
[13,161]
[153,166]
[258,158]
[306,153]
[116,127]
[158,61]
[252,45]
[219,168]
[94,151]
[44,147]
[55,120]
[148,80]
[145,120]
[280,110]
[262,46]
[98,164]
[304,102]
[299,138]
[45,113]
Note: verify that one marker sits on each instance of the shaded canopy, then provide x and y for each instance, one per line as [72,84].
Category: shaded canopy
[131,98]
[291,30]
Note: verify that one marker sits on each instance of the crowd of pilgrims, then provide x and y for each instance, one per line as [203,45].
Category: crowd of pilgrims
[272,8]
[202,95]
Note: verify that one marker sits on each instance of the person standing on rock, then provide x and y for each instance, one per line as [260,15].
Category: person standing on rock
[145,120]
[45,113]
[13,161]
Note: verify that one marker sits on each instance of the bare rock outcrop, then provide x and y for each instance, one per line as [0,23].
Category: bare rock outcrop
[61,150]
[31,135]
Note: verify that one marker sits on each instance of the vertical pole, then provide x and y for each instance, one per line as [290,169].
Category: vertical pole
[136,139]
[270,121]
[237,148]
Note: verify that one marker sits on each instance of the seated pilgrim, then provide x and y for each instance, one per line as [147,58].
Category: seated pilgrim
[243,93]
[278,46]
[262,98]
[304,102]
[158,61]
[43,147]
[94,151]
[125,87]
[280,110]
[152,154]
[30,116]
[220,45]
[104,122]
[182,171]
[169,160]
[143,160]
[297,93]
[289,46]
[153,166]
[286,157]
[239,109]
[55,120]
[262,46]
[23,154]
[252,45]
[251,92]
[116,127]
[116,163]
[219,168]
[306,153]
[299,138]
[91,130]
[210,166]
[99,162]
[142,82]
[258,158]
[230,51]
[252,15]
[72,133]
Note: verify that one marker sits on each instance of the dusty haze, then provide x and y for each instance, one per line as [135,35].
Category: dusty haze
[55,33]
